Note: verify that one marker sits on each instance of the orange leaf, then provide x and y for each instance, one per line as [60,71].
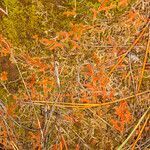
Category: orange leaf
[132,15]
[61,145]
[84,100]
[64,143]
[90,70]
[56,45]
[102,5]
[35,36]
[46,41]
[68,118]
[4,76]
[123,3]
[55,147]
[77,147]
[118,125]
[75,45]
[108,7]
[104,93]
[70,13]
[89,86]
[95,12]
[5,51]
[63,35]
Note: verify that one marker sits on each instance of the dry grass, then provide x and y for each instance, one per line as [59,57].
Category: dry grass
[88,89]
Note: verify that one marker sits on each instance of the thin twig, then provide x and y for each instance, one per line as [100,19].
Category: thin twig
[144,64]
[127,139]
[134,144]
[89,105]
[4,12]
[131,47]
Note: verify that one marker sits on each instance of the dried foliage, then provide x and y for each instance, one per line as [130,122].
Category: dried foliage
[74,75]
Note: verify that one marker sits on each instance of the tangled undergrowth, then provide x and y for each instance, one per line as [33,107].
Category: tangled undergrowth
[75,75]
